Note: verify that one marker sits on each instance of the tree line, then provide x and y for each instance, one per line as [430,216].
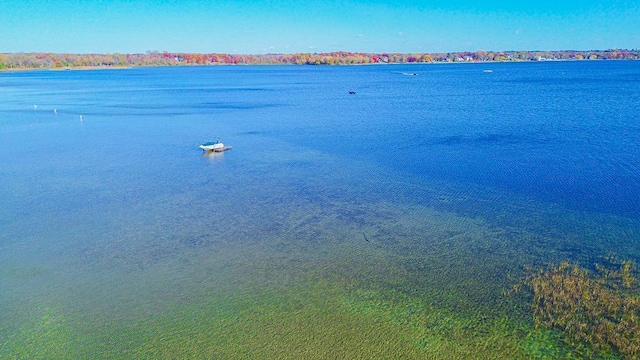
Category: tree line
[156,58]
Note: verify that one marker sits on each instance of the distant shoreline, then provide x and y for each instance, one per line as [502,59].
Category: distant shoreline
[53,61]
[88,68]
[81,68]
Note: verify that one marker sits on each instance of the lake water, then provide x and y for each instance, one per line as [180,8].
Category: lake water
[382,224]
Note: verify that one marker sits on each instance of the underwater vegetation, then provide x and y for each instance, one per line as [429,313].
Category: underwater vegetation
[599,311]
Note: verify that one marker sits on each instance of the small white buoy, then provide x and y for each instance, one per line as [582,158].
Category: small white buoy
[80,118]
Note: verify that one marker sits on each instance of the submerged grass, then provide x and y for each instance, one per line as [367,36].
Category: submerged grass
[599,313]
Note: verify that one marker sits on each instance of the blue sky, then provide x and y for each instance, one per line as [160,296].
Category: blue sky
[274,26]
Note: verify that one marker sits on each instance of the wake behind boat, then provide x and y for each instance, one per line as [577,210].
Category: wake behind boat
[215,146]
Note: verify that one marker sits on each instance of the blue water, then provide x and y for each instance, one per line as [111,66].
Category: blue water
[106,199]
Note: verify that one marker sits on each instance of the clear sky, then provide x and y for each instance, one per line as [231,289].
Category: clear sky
[275,26]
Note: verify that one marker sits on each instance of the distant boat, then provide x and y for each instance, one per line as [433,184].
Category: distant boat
[487,71]
[351,92]
[216,146]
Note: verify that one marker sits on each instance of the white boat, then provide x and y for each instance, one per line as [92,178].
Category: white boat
[216,146]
